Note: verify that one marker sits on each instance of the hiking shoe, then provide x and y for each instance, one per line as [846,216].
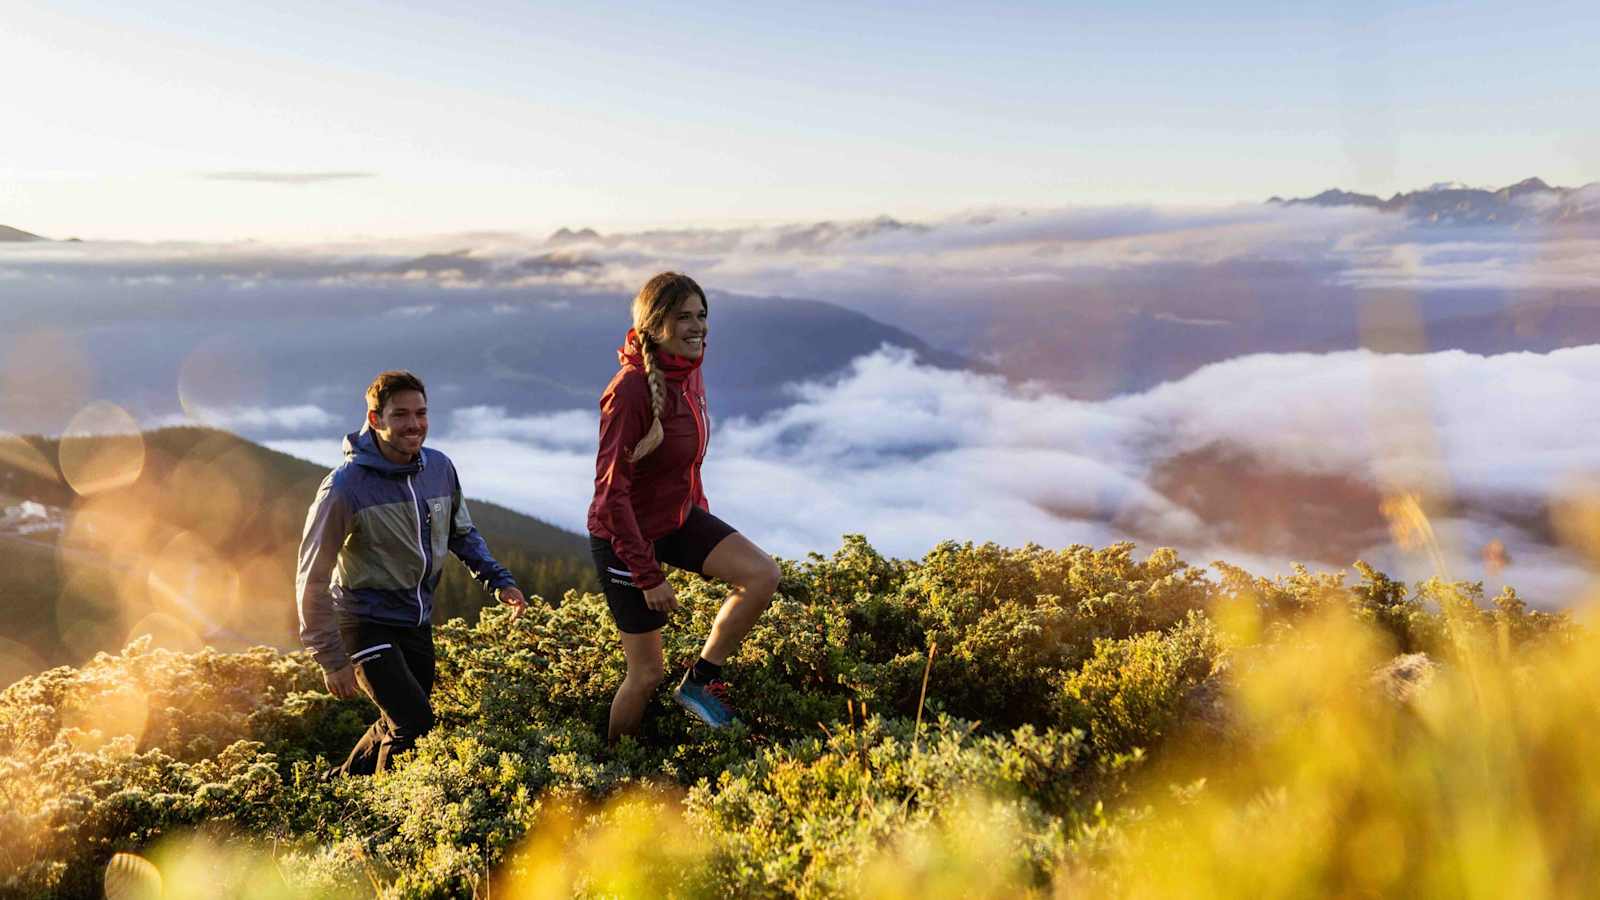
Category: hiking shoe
[707,702]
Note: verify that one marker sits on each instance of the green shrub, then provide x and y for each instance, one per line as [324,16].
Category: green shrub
[1050,674]
[1131,692]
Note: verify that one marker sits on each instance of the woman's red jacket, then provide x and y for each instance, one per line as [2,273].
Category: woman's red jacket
[637,502]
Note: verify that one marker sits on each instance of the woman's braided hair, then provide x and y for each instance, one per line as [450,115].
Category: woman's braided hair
[656,301]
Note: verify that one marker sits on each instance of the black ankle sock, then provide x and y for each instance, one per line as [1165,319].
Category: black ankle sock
[702,671]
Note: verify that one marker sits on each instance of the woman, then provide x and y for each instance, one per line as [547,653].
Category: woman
[649,507]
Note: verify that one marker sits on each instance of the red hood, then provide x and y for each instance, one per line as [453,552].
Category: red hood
[675,367]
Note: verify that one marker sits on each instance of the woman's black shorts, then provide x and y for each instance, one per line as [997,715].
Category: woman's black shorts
[686,548]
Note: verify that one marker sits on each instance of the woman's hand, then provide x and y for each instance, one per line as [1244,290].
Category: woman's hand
[661,598]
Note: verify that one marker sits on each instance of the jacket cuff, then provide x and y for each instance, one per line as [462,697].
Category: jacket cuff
[330,660]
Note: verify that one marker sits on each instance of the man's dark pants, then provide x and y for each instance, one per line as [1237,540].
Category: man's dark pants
[394,666]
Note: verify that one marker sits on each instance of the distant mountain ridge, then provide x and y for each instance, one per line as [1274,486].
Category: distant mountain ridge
[11,235]
[526,351]
[1451,203]
[814,237]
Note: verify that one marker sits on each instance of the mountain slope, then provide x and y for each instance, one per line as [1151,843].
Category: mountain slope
[17,235]
[526,352]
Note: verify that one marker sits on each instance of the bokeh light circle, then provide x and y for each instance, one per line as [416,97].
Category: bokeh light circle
[132,877]
[101,449]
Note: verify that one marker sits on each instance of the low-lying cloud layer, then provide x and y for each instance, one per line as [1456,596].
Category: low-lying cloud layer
[299,418]
[866,259]
[911,456]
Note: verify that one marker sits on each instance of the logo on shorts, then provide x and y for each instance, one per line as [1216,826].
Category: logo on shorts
[621,576]
[368,655]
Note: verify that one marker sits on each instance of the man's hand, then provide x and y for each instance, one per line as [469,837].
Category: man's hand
[661,598]
[512,597]
[342,684]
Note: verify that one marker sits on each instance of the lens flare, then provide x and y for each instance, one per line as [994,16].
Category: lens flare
[120,710]
[203,865]
[101,449]
[96,605]
[1575,512]
[168,632]
[102,557]
[191,584]
[16,453]
[1408,456]
[132,877]
[268,577]
[287,513]
[215,489]
[220,375]
[111,527]
[16,661]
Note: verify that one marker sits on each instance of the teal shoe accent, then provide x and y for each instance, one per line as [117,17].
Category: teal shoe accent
[707,702]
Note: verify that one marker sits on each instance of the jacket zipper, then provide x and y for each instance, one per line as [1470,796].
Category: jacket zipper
[420,549]
[700,453]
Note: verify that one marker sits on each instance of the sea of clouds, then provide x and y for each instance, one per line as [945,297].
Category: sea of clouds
[911,455]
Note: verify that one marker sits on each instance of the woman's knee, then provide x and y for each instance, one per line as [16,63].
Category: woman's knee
[646,664]
[762,582]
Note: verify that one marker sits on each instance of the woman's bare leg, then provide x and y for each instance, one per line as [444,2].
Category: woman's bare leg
[754,577]
[646,668]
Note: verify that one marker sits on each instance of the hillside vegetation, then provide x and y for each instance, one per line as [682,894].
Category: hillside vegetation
[192,535]
[983,722]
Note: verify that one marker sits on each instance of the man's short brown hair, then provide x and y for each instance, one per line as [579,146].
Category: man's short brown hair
[387,384]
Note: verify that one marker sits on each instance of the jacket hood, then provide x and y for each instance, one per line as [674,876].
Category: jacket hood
[673,366]
[361,448]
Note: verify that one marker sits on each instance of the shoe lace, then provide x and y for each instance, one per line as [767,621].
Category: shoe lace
[719,690]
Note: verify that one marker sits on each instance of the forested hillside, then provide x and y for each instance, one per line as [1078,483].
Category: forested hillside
[191,534]
[982,722]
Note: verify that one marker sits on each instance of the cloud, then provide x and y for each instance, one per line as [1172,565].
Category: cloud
[291,178]
[967,258]
[568,430]
[415,311]
[910,456]
[301,417]
[1512,423]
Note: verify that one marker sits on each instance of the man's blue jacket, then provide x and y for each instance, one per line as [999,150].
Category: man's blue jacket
[375,541]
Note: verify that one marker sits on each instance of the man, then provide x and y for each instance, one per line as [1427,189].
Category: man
[373,549]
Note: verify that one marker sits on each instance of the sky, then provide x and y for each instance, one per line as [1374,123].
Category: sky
[304,121]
